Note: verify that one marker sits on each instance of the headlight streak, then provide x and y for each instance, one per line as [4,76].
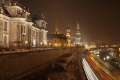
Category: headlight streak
[88,71]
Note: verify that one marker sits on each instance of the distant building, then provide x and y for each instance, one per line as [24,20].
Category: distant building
[77,37]
[56,31]
[68,35]
[97,44]
[57,40]
[18,29]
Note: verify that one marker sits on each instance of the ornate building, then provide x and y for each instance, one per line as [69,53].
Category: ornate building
[41,24]
[68,35]
[77,40]
[57,39]
[18,29]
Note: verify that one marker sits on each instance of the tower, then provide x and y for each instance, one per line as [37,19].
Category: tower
[68,36]
[68,32]
[77,35]
[56,29]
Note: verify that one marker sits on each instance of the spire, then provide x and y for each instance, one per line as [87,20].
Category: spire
[78,26]
[68,32]
[68,29]
[56,29]
[42,16]
[77,35]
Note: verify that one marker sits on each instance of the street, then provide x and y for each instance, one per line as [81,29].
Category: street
[102,68]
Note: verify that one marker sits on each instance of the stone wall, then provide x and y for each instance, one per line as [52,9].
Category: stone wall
[16,64]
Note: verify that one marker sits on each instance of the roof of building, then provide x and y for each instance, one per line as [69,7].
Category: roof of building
[36,17]
[5,10]
[37,20]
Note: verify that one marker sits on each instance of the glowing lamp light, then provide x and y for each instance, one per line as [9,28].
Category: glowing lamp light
[86,46]
[49,43]
[41,43]
[108,57]
[56,44]
[104,58]
[98,55]
[119,49]
[26,42]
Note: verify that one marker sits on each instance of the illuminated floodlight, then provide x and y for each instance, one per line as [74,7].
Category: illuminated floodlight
[56,44]
[108,57]
[98,55]
[103,58]
[86,46]
[41,43]
[26,42]
[97,52]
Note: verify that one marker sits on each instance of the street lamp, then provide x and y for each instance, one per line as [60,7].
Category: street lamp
[41,44]
[26,42]
[50,44]
[59,44]
[56,44]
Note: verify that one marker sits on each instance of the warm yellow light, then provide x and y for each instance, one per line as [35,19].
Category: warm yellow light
[26,42]
[119,49]
[41,43]
[49,43]
[55,44]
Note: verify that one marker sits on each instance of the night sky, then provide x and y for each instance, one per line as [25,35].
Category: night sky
[98,19]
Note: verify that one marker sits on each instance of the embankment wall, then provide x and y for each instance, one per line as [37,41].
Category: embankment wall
[16,64]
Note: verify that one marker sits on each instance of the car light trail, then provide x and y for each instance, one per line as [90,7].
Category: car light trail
[88,71]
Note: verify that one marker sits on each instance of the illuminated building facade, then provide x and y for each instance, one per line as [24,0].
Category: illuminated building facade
[57,39]
[97,44]
[17,29]
[68,35]
[77,40]
[42,33]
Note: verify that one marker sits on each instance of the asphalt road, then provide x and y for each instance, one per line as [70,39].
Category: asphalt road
[105,71]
